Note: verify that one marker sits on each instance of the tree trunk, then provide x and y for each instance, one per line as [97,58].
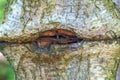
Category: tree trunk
[96,57]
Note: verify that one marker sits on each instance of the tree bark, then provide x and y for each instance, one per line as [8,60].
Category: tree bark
[94,58]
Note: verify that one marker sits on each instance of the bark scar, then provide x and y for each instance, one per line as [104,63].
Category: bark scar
[57,36]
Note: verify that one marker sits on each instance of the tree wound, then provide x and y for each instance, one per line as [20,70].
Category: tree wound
[57,36]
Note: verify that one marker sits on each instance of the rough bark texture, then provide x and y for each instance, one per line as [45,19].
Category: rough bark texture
[91,20]
[88,19]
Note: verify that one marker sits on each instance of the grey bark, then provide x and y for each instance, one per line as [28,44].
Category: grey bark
[95,20]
